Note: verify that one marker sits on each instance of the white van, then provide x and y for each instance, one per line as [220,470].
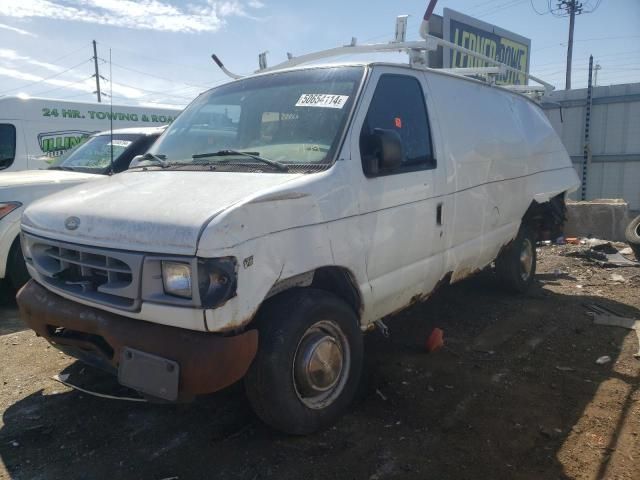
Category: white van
[86,162]
[279,217]
[34,131]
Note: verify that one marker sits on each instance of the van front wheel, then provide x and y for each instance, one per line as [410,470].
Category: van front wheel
[309,360]
[17,269]
[516,264]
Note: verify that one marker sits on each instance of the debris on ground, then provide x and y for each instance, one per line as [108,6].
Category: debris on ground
[435,340]
[603,360]
[603,253]
[605,316]
[565,369]
[381,395]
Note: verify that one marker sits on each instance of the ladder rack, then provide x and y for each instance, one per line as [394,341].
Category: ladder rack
[418,58]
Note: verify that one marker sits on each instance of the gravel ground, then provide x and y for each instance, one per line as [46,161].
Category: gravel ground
[516,394]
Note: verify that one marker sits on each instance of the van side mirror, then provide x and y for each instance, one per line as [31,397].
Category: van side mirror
[382,152]
[135,161]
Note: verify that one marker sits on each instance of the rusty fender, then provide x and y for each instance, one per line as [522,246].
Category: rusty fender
[208,362]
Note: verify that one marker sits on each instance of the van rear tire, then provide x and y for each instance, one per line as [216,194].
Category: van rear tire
[516,264]
[633,236]
[309,361]
[16,268]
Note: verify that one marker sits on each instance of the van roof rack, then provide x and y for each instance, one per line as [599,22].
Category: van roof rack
[418,58]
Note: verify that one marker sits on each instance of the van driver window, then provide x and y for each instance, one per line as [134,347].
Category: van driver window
[7,144]
[398,104]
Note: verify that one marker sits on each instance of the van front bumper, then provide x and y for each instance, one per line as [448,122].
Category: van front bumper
[207,362]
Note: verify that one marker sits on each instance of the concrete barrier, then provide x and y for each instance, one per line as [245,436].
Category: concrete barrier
[606,219]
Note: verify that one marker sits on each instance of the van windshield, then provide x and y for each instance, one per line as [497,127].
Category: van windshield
[288,118]
[94,155]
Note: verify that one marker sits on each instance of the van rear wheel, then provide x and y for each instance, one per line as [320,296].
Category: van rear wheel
[633,236]
[309,360]
[516,264]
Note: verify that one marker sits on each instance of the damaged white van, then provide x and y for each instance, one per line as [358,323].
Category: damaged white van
[279,217]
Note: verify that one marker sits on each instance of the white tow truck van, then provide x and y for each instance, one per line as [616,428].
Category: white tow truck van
[34,131]
[282,215]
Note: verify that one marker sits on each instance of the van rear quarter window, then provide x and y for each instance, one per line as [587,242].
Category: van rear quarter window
[7,144]
[398,104]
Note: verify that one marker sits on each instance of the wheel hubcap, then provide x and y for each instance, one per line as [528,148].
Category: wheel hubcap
[321,364]
[526,259]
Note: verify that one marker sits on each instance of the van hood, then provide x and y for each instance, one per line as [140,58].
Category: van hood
[43,177]
[148,211]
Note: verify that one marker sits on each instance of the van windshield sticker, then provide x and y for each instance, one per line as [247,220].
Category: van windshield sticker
[324,100]
[120,143]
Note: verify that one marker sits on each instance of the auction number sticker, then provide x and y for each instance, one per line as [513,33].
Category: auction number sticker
[324,100]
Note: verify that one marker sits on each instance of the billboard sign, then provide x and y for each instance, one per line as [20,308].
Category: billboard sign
[486,39]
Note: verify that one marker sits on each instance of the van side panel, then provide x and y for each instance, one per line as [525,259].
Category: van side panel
[502,154]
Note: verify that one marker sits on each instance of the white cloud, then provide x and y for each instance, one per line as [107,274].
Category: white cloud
[16,30]
[10,57]
[47,86]
[204,16]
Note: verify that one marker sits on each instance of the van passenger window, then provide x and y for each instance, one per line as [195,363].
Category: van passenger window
[398,104]
[7,144]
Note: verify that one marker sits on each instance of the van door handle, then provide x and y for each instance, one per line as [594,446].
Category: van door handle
[439,214]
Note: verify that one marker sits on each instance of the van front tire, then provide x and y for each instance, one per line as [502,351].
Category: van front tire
[16,268]
[516,264]
[309,361]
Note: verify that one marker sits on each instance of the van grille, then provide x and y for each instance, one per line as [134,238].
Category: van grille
[104,276]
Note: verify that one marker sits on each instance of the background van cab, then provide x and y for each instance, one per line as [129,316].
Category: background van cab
[87,161]
[35,131]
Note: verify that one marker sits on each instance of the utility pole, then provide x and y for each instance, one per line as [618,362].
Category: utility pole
[572,7]
[586,155]
[97,74]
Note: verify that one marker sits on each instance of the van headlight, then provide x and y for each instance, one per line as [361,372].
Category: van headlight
[176,279]
[7,207]
[217,280]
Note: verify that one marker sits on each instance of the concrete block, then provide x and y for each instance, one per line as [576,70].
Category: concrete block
[606,219]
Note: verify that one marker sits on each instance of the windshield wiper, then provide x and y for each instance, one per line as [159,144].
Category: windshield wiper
[255,155]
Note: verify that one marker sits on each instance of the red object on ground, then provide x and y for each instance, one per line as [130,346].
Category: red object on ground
[572,240]
[435,340]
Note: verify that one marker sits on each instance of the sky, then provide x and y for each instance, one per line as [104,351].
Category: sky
[161,49]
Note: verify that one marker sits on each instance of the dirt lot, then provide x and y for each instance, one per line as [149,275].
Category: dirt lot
[515,394]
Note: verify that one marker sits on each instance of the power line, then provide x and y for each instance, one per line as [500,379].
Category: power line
[536,10]
[164,61]
[157,76]
[62,86]
[153,91]
[26,85]
[501,7]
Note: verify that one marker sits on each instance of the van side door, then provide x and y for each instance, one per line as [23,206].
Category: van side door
[400,217]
